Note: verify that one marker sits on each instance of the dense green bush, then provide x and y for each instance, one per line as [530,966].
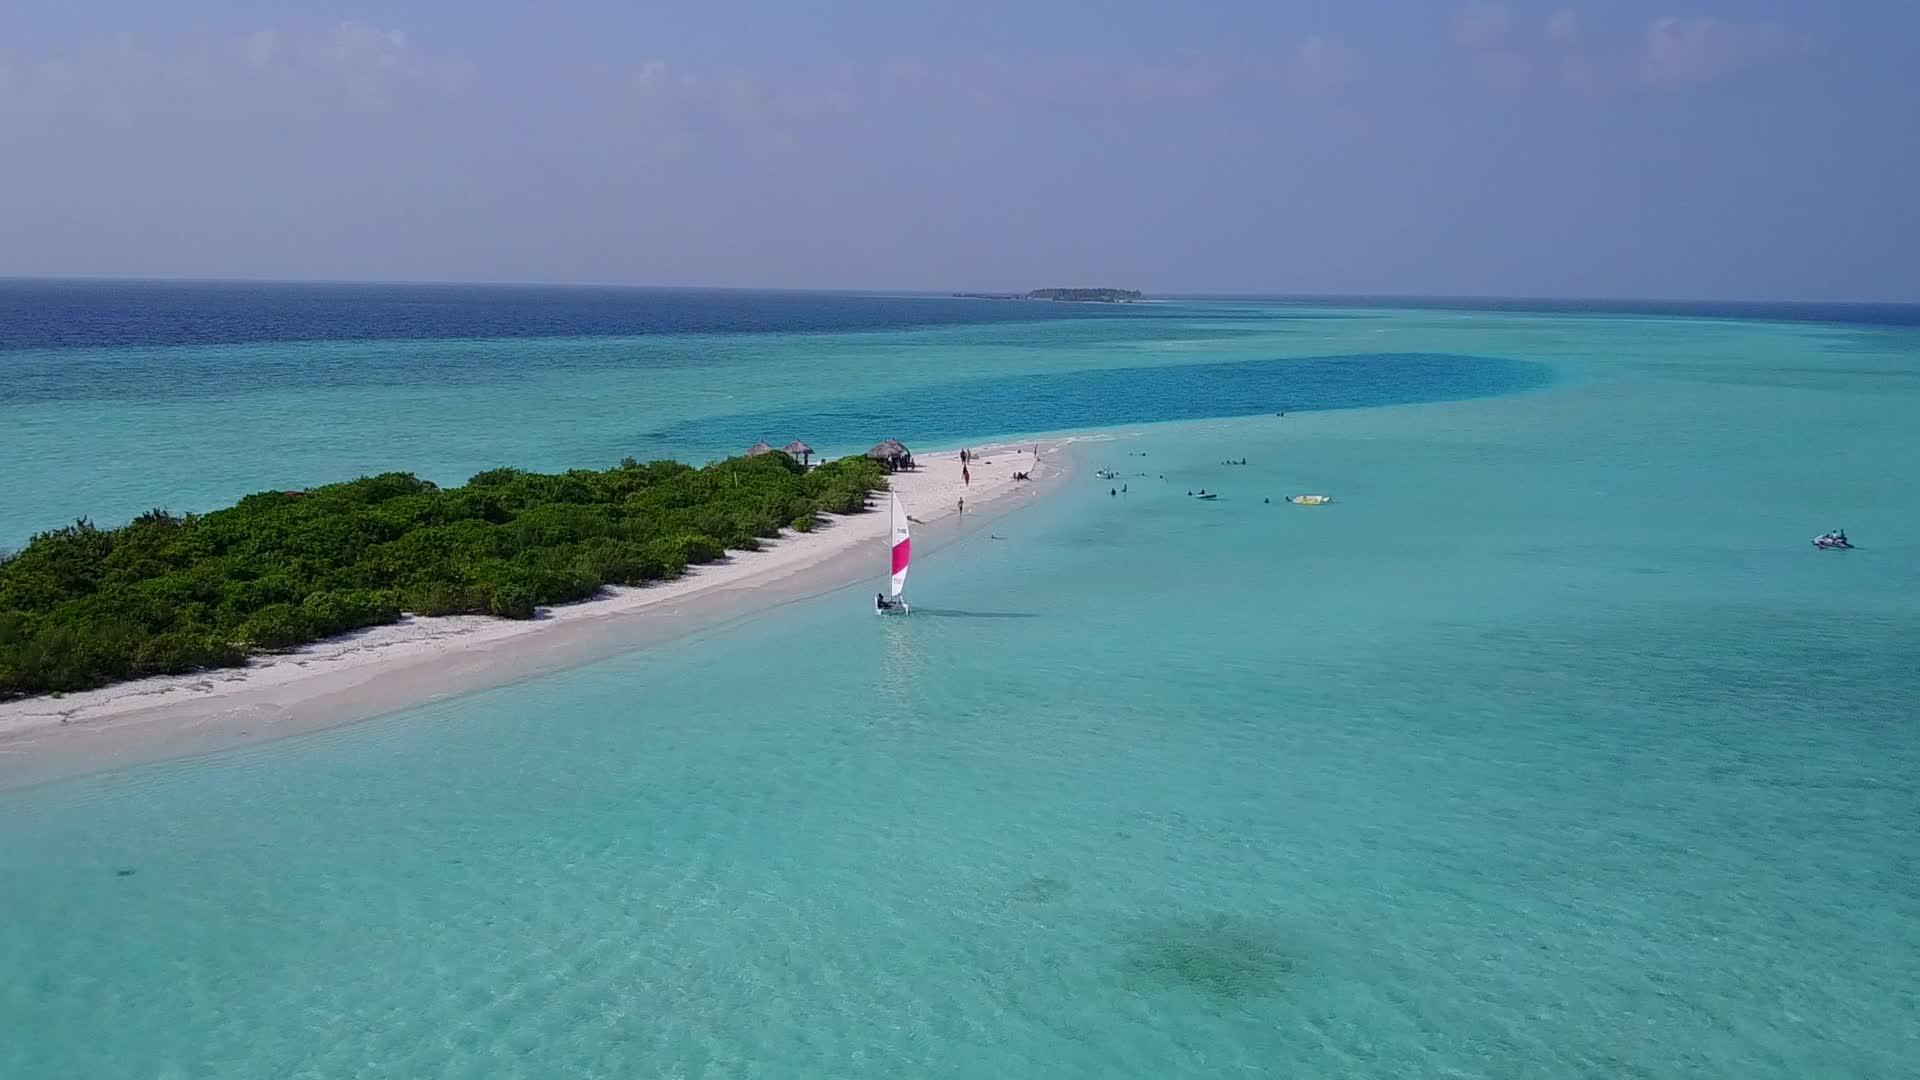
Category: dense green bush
[178,651]
[513,600]
[440,599]
[82,606]
[335,611]
[278,626]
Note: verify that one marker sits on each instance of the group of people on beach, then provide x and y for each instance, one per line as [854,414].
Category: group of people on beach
[968,457]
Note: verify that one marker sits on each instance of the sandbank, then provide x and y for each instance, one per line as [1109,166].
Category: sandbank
[417,660]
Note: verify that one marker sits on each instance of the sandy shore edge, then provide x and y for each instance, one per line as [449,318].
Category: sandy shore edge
[418,660]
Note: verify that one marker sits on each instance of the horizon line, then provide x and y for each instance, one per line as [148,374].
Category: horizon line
[922,293]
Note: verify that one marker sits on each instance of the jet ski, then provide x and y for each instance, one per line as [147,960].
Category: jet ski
[1833,541]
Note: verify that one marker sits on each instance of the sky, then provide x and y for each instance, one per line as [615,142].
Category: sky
[1715,149]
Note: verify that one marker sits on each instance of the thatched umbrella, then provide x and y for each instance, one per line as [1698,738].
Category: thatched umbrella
[891,453]
[759,448]
[798,449]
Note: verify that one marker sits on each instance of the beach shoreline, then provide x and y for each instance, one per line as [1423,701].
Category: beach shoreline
[384,669]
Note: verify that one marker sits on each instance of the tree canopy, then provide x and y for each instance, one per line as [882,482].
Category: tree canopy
[1087,296]
[82,606]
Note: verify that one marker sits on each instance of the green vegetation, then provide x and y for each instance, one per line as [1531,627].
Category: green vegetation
[1087,296]
[1078,296]
[82,606]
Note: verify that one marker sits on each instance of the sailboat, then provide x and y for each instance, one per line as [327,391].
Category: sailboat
[900,553]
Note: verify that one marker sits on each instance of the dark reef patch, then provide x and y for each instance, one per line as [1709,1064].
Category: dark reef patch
[1224,957]
[1040,889]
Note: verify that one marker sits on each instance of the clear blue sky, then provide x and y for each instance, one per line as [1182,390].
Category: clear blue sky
[1757,149]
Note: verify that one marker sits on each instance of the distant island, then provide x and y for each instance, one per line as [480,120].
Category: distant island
[1071,296]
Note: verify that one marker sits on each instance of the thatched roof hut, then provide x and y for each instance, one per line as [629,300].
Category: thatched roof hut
[759,448]
[798,449]
[892,454]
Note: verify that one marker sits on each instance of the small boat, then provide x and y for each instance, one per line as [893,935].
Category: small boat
[1208,495]
[899,554]
[1833,541]
[1309,500]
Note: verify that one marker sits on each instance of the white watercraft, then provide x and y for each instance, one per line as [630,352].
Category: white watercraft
[1833,541]
[899,556]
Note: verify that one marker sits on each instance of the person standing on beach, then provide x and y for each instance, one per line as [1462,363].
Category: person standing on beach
[965,476]
[963,506]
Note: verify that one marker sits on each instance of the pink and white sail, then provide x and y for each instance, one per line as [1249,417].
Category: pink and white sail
[902,547]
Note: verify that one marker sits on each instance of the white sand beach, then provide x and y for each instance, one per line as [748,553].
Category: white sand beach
[416,660]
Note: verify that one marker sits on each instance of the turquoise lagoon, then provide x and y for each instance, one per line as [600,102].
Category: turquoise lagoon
[1551,749]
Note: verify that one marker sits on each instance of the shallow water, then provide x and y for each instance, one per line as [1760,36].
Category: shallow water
[1550,749]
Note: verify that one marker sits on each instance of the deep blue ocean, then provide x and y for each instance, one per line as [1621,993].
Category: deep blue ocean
[1551,748]
[55,314]
[104,314]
